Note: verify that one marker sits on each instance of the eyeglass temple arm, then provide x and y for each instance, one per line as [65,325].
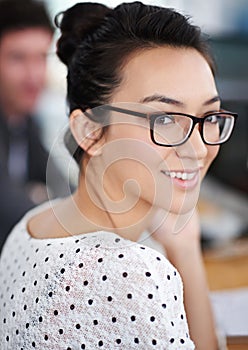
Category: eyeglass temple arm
[122,110]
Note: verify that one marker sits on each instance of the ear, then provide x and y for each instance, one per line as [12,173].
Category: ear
[87,133]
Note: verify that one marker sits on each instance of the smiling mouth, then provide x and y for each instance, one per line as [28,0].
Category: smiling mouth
[186,176]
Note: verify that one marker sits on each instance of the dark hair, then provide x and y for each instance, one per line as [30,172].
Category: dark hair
[96,42]
[21,14]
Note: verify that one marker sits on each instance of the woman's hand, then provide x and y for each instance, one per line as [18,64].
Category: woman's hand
[180,237]
[175,232]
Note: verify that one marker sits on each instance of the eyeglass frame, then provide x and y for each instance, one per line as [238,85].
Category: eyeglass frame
[153,116]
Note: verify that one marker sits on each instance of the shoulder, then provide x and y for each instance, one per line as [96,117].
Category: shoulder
[100,283]
[105,267]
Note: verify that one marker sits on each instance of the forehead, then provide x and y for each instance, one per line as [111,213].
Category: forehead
[26,40]
[179,73]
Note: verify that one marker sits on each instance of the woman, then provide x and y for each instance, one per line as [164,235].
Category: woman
[145,125]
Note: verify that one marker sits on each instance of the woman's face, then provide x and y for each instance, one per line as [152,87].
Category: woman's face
[169,80]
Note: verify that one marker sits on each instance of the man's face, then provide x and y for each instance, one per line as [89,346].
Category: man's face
[23,56]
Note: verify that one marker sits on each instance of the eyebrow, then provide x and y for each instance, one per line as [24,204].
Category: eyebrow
[162,98]
[212,100]
[171,101]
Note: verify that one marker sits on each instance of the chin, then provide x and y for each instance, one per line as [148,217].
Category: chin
[27,108]
[184,209]
[177,201]
[29,101]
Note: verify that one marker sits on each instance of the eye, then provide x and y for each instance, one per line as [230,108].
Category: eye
[16,57]
[213,119]
[164,119]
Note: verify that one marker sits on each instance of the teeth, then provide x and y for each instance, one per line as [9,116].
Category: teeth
[179,175]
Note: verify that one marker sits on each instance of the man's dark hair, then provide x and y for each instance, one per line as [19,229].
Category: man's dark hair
[22,14]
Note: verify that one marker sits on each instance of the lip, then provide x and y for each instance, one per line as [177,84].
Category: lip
[188,183]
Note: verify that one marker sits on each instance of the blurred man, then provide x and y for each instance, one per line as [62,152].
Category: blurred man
[25,38]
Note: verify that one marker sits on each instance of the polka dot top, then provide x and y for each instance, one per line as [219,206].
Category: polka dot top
[89,291]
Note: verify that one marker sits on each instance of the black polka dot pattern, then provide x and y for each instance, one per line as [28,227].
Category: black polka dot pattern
[107,292]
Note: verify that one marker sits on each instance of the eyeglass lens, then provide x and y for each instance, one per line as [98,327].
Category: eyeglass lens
[175,129]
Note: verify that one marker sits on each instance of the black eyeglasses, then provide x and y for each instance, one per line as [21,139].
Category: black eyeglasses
[174,129]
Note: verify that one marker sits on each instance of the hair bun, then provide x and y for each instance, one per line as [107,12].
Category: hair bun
[76,23]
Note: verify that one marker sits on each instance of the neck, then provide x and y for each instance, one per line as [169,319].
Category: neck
[100,213]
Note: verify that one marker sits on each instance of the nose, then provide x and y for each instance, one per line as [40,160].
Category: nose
[194,147]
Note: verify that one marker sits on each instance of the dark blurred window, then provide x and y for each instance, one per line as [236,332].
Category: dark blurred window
[231,55]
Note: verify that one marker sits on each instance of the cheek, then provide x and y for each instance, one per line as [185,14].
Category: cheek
[212,154]
[131,155]
[11,76]
[133,162]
